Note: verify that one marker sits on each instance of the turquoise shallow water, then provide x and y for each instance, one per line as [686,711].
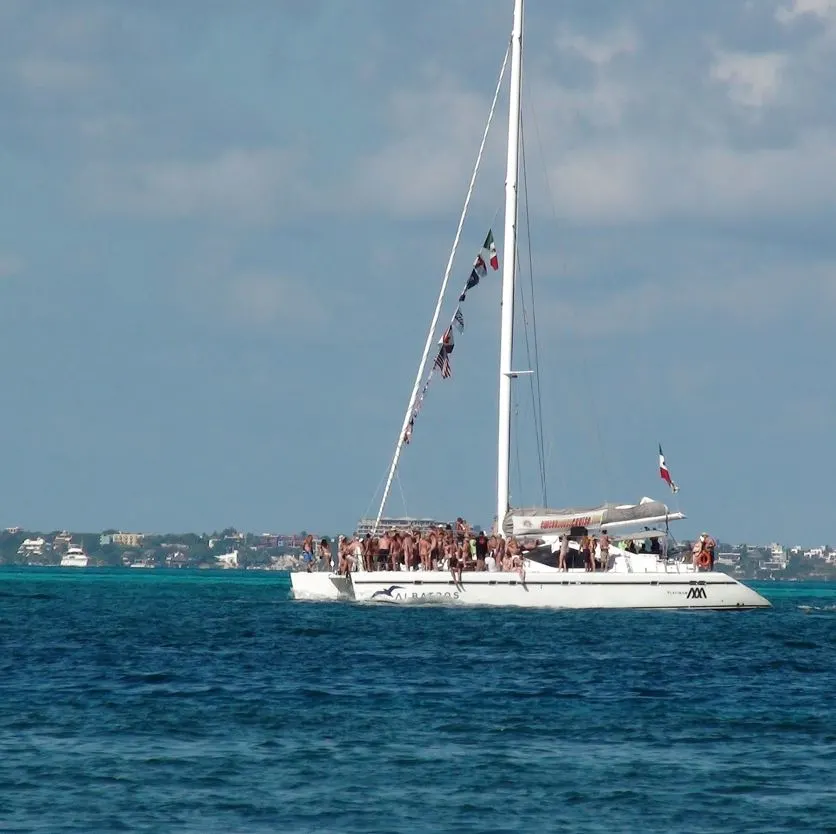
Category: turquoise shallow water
[211,702]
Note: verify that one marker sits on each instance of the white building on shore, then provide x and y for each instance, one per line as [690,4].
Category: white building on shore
[228,560]
[32,547]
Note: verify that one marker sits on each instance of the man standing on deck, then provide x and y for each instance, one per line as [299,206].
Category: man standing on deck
[604,544]
[481,550]
[708,545]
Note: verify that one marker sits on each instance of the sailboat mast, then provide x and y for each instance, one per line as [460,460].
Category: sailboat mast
[509,268]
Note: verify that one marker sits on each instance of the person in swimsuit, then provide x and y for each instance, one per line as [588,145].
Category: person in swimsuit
[460,530]
[500,552]
[416,562]
[424,552]
[357,554]
[481,550]
[366,546]
[449,551]
[408,546]
[564,552]
[586,552]
[707,545]
[435,549]
[325,563]
[307,553]
[518,565]
[383,544]
[512,552]
[344,556]
[455,568]
[395,551]
[373,553]
[507,555]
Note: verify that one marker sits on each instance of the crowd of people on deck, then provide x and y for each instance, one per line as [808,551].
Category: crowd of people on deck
[443,548]
[460,549]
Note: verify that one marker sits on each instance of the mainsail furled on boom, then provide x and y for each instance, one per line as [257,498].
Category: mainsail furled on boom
[538,521]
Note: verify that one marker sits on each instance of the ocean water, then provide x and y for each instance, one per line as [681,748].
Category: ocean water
[156,701]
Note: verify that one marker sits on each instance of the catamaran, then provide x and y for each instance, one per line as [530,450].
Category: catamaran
[630,580]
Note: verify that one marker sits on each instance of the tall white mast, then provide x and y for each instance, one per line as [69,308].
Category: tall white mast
[509,267]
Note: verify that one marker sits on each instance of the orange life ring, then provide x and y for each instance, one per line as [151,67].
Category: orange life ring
[703,560]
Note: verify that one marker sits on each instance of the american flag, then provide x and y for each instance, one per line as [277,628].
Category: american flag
[442,362]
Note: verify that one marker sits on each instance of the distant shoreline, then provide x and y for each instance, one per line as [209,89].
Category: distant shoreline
[230,549]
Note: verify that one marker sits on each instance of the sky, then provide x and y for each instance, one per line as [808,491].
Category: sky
[223,227]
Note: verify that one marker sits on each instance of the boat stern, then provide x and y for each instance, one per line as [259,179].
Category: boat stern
[750,598]
[320,586]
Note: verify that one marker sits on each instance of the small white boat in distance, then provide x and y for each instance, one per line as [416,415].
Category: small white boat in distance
[75,557]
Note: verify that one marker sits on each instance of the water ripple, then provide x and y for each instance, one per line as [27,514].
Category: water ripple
[148,701]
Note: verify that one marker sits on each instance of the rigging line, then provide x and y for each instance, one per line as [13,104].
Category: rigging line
[375,494]
[524,315]
[605,463]
[537,403]
[539,406]
[403,497]
[537,416]
[431,334]
[496,213]
[537,423]
[517,445]
[420,398]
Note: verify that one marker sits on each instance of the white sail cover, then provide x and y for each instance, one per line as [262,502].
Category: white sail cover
[538,521]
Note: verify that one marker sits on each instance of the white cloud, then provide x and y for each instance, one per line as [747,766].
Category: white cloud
[244,185]
[565,112]
[426,165]
[644,180]
[823,9]
[56,75]
[212,284]
[55,50]
[708,294]
[752,80]
[599,51]
[260,299]
[601,184]
[107,127]
[10,265]
[632,143]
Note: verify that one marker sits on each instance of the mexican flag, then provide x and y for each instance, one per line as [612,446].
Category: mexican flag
[664,474]
[490,246]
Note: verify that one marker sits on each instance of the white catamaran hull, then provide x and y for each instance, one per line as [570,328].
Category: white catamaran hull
[546,589]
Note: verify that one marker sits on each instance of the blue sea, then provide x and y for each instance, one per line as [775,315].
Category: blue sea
[177,701]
